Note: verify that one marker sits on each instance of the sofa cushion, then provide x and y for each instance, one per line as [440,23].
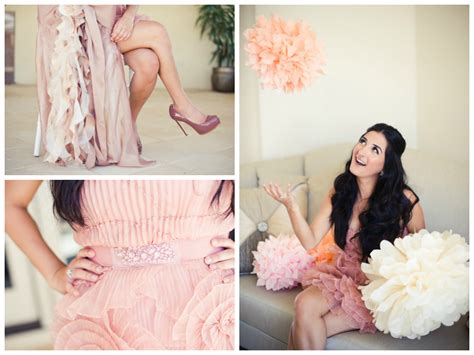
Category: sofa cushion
[283,166]
[272,313]
[261,215]
[443,189]
[318,187]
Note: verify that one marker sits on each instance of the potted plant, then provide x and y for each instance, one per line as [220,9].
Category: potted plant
[217,22]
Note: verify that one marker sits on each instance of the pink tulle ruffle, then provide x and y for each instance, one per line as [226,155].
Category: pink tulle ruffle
[339,281]
[149,308]
[280,262]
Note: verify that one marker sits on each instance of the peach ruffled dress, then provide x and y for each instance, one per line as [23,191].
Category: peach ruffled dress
[337,273]
[158,292]
[83,100]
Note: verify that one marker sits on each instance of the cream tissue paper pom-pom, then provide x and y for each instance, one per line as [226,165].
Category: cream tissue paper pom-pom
[418,283]
[280,262]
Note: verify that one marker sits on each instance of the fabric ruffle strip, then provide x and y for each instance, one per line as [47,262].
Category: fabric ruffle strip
[70,129]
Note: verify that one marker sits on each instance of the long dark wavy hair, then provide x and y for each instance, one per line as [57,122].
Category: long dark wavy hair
[67,200]
[388,210]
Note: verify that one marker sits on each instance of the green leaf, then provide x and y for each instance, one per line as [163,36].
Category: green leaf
[217,22]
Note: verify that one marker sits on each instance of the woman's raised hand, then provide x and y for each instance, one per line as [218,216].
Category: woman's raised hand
[81,270]
[286,198]
[123,28]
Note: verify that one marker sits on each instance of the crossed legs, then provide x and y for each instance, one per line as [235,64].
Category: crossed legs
[152,36]
[145,65]
[313,322]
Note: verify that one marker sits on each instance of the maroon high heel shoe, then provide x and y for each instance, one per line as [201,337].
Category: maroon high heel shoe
[208,125]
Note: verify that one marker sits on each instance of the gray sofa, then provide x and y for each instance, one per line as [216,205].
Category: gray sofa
[443,188]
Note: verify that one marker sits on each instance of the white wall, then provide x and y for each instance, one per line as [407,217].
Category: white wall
[192,54]
[442,35]
[392,64]
[250,147]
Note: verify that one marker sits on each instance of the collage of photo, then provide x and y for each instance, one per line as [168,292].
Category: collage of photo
[236,177]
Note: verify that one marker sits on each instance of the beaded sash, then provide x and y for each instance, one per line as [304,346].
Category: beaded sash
[172,251]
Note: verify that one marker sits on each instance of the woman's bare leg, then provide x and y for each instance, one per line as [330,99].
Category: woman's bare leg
[151,34]
[309,329]
[291,346]
[336,324]
[314,323]
[145,65]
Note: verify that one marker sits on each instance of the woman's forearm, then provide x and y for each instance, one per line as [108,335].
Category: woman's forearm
[301,227]
[23,230]
[131,10]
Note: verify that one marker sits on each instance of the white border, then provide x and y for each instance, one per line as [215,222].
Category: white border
[235,177]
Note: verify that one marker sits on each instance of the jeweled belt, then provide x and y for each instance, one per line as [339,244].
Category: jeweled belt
[172,251]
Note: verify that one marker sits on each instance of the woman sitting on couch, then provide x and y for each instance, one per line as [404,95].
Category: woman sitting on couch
[370,202]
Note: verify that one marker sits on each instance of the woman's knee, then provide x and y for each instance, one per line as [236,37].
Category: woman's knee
[160,34]
[144,62]
[309,304]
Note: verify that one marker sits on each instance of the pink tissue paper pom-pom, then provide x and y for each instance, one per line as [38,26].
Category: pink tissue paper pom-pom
[285,55]
[280,262]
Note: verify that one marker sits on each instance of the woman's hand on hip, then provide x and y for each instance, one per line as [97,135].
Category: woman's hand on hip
[81,270]
[286,198]
[223,260]
[122,29]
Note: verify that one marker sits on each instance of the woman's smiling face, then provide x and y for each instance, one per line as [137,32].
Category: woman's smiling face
[368,155]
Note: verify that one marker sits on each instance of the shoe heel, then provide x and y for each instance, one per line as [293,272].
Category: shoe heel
[181,127]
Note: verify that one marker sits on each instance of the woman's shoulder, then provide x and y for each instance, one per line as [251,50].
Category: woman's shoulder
[331,191]
[410,194]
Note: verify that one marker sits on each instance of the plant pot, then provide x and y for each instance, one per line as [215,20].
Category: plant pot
[223,79]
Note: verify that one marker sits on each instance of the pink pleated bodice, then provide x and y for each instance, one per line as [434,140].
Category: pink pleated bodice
[158,292]
[133,213]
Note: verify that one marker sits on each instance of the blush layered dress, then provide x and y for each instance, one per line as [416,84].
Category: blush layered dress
[338,274]
[83,101]
[158,292]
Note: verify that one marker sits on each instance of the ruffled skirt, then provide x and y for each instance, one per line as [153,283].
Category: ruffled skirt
[84,108]
[339,282]
[171,306]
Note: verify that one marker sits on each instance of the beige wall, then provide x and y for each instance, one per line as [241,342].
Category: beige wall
[192,54]
[250,148]
[442,35]
[403,65]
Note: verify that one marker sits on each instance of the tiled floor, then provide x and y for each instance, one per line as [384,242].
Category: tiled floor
[163,141]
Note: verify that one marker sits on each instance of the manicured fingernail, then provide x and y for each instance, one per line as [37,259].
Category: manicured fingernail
[208,260]
[100,269]
[94,277]
[212,266]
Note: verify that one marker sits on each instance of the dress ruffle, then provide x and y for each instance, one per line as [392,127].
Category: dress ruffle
[70,127]
[84,108]
[177,305]
[339,281]
[207,321]
[114,313]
